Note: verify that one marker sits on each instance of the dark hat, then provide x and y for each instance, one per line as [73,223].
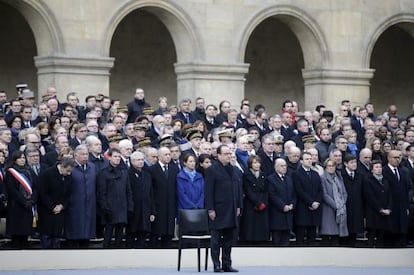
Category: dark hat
[148,111]
[166,140]
[140,126]
[308,138]
[279,139]
[115,138]
[21,86]
[192,134]
[145,141]
[122,109]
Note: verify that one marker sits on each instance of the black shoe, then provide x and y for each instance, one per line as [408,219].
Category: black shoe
[218,270]
[230,269]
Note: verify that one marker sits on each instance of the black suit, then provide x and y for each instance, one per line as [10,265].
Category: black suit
[210,125]
[165,201]
[191,118]
[268,164]
[224,196]
[281,193]
[73,143]
[50,158]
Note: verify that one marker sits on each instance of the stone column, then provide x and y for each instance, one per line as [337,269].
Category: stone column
[213,82]
[83,75]
[331,86]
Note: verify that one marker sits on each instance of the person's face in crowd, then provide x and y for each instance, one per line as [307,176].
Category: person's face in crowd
[44,131]
[43,111]
[410,153]
[21,161]
[61,141]
[309,145]
[369,124]
[351,165]
[167,118]
[278,148]
[195,143]
[90,104]
[370,108]
[245,110]
[376,145]
[393,122]
[352,138]
[110,131]
[286,119]
[256,165]
[341,144]
[95,147]
[243,145]
[206,163]
[314,155]
[27,114]
[377,169]
[3,98]
[225,107]
[73,101]
[33,140]
[409,136]
[200,103]
[365,157]
[288,107]
[16,107]
[225,156]
[363,114]
[139,94]
[190,163]
[276,122]
[268,146]
[303,127]
[232,117]
[61,132]
[185,107]
[92,127]
[2,158]
[66,171]
[3,123]
[205,148]
[129,130]
[5,149]
[177,126]
[159,123]
[65,122]
[106,104]
[281,166]
[175,152]
[399,144]
[337,157]
[326,135]
[53,105]
[306,161]
[118,122]
[81,133]
[211,111]
[295,107]
[152,157]
[138,162]
[33,158]
[369,134]
[6,137]
[330,167]
[164,155]
[17,123]
[124,117]
[255,133]
[294,156]
[68,110]
[115,159]
[81,156]
[126,150]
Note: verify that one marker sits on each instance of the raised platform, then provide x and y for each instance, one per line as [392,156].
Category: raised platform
[167,258]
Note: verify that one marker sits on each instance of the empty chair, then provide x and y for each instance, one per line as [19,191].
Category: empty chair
[193,225]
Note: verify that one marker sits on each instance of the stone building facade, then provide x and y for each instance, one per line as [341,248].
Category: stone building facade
[313,51]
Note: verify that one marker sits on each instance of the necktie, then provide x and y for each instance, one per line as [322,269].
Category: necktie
[127,163]
[35,170]
[352,175]
[283,178]
[396,174]
[308,173]
[166,171]
[187,118]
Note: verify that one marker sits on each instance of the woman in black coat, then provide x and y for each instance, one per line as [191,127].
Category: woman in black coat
[254,223]
[377,194]
[54,193]
[139,221]
[21,201]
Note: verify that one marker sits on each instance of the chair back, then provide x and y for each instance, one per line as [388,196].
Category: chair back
[192,222]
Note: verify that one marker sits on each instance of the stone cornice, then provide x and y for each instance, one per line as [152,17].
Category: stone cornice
[229,72]
[352,77]
[73,65]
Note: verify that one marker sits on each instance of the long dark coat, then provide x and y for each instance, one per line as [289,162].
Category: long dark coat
[281,193]
[254,224]
[165,198]
[80,215]
[19,217]
[114,195]
[268,165]
[308,190]
[377,195]
[53,189]
[223,194]
[143,198]
[400,190]
[355,209]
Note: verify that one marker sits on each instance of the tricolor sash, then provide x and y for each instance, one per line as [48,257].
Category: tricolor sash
[22,179]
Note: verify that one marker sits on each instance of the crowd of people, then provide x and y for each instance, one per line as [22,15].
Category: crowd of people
[115,172]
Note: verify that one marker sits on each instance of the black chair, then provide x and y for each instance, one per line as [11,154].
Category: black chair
[193,225]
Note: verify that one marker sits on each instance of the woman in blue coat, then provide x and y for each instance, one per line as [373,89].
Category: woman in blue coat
[190,185]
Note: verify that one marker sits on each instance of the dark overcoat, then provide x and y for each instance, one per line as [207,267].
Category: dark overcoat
[281,193]
[355,209]
[80,215]
[254,224]
[400,191]
[268,164]
[114,195]
[165,198]
[308,190]
[19,214]
[143,198]
[377,196]
[53,189]
[223,194]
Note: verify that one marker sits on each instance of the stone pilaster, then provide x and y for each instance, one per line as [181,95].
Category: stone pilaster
[83,75]
[214,82]
[331,86]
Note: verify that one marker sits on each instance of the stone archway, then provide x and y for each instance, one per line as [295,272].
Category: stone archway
[165,36]
[390,54]
[294,42]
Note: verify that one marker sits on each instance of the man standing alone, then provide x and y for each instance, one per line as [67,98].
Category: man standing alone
[223,199]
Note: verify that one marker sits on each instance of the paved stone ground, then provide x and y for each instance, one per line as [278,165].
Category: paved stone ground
[245,270]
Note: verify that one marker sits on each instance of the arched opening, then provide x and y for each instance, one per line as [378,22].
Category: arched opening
[17,49]
[144,57]
[393,59]
[276,60]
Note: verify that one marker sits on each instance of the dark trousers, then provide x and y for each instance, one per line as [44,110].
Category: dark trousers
[308,231]
[135,239]
[109,230]
[280,237]
[330,240]
[223,238]
[19,241]
[49,242]
[375,237]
